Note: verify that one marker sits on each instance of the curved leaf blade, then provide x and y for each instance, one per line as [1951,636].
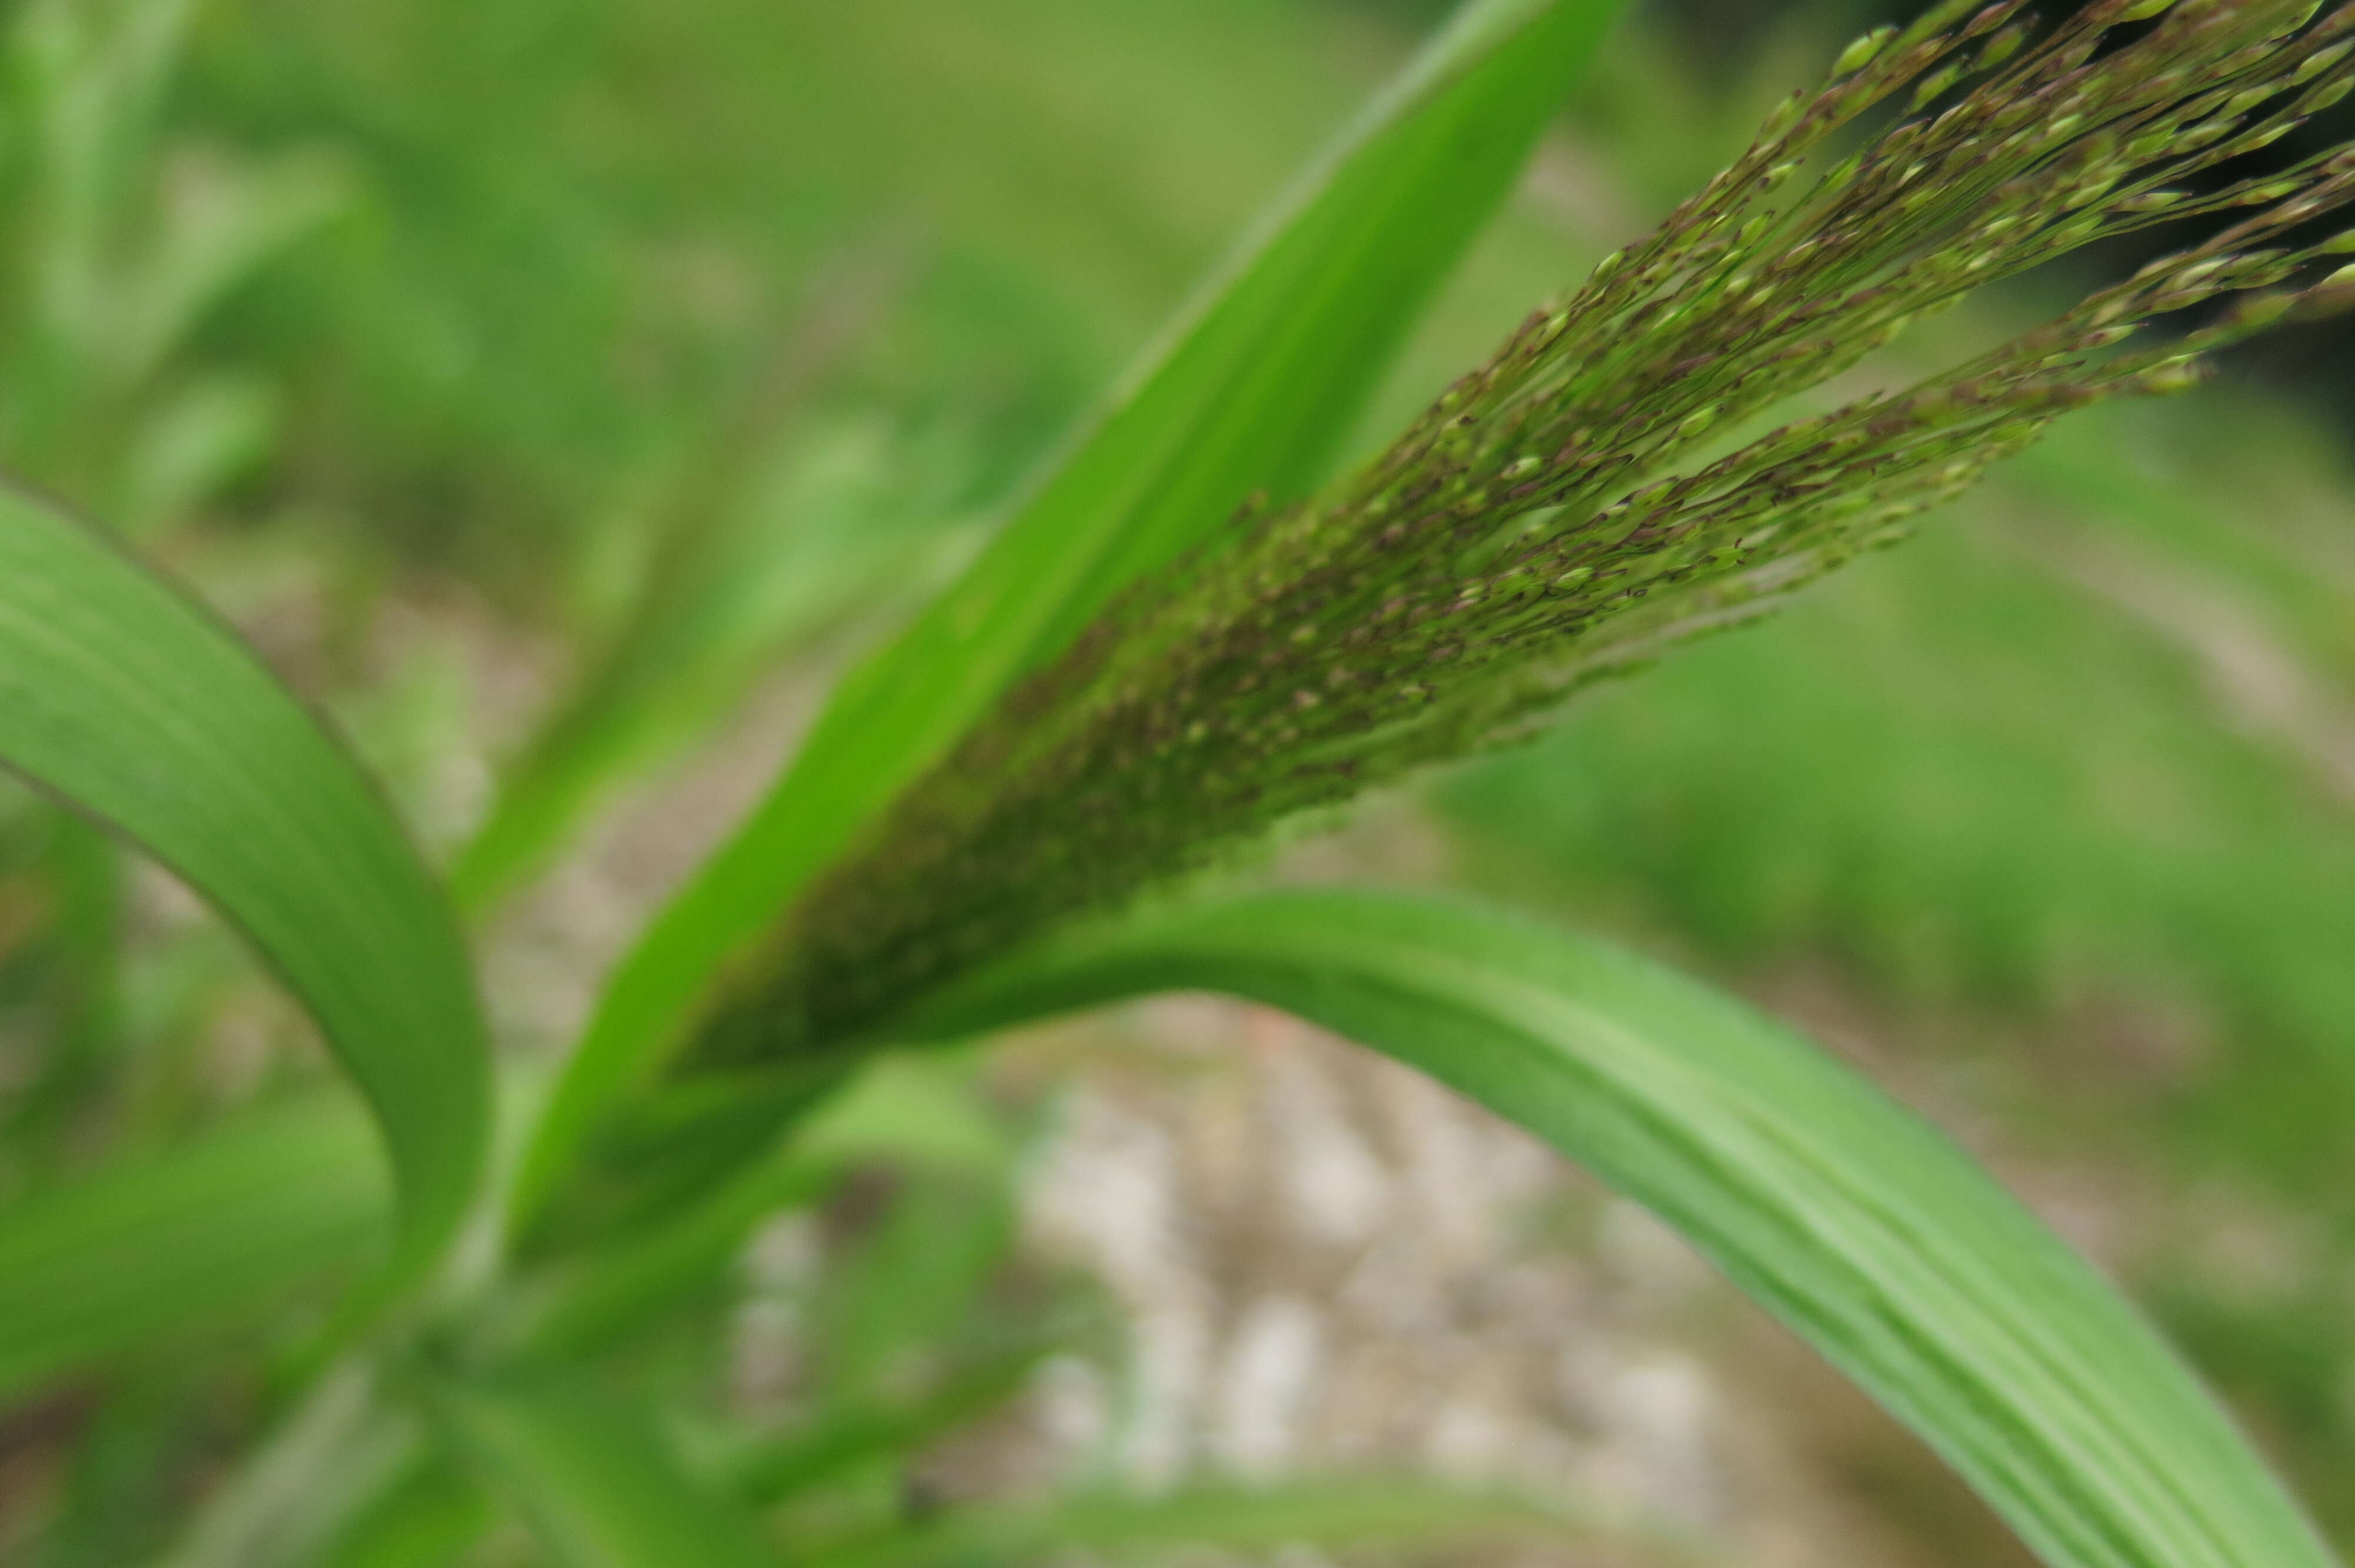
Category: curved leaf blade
[185,1238]
[597,1487]
[894,1111]
[1393,1515]
[123,698]
[1852,1220]
[1249,391]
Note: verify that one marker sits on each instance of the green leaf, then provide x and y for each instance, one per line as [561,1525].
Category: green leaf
[78,961]
[597,1488]
[1249,391]
[1854,1222]
[1392,1514]
[762,575]
[753,537]
[432,1515]
[819,1450]
[129,702]
[185,1239]
[330,1450]
[203,252]
[904,1111]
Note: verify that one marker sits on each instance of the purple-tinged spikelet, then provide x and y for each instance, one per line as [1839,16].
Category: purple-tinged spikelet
[1547,523]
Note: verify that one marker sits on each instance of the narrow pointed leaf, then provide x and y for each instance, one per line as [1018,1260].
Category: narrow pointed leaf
[186,1239]
[895,1111]
[1854,1222]
[840,1440]
[432,1515]
[123,698]
[1248,392]
[768,533]
[1392,1516]
[596,1484]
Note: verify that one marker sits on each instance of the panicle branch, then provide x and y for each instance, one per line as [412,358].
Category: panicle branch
[1550,519]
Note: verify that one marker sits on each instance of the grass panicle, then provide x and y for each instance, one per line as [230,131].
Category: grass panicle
[1557,516]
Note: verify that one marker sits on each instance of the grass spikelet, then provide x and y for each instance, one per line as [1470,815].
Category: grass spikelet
[1555,517]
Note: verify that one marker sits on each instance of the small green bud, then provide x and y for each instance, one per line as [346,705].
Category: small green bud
[2002,47]
[2253,314]
[2325,96]
[2313,65]
[2173,376]
[1783,116]
[1861,53]
[1933,84]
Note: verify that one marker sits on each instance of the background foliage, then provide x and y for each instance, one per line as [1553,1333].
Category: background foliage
[497,368]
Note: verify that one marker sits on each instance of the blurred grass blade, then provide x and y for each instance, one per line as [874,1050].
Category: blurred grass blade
[750,553]
[1249,392]
[183,1240]
[822,1450]
[81,952]
[431,1515]
[1392,1515]
[594,1483]
[700,643]
[900,1111]
[1858,1226]
[124,699]
[334,1448]
[255,211]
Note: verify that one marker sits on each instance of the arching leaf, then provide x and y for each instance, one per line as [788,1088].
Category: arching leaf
[1248,392]
[123,698]
[185,1239]
[1849,1218]
[593,1480]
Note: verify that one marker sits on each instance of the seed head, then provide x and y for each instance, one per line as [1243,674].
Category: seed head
[1557,517]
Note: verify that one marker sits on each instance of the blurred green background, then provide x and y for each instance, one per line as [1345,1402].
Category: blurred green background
[558,391]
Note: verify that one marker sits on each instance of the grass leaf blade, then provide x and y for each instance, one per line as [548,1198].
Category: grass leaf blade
[596,1485]
[185,1239]
[1393,1514]
[121,696]
[1854,1222]
[1249,391]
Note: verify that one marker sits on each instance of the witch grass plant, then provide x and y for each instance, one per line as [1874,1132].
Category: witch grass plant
[1545,524]
[1187,635]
